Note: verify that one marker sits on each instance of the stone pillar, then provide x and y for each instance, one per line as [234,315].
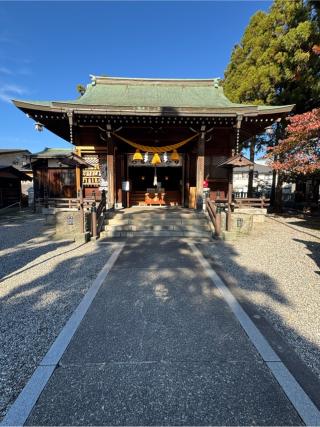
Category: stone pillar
[200,172]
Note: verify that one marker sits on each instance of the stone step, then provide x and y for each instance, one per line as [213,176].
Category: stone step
[159,216]
[158,227]
[161,233]
[153,221]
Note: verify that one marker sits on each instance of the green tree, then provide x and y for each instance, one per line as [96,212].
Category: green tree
[277,61]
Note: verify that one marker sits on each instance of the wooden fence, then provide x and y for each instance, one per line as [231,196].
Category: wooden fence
[252,203]
[92,212]
[214,209]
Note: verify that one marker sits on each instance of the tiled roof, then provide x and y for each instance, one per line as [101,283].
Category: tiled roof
[13,150]
[154,93]
[65,155]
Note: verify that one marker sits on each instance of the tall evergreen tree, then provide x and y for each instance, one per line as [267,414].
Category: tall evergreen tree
[277,61]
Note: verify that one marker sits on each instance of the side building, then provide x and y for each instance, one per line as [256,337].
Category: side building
[15,176]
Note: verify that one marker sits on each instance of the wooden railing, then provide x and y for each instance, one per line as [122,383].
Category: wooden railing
[68,203]
[247,202]
[252,203]
[214,211]
[92,211]
[97,215]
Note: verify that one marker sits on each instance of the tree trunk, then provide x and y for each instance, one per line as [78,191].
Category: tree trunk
[250,176]
[273,188]
[278,193]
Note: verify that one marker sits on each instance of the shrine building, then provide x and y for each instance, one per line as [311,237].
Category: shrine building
[150,136]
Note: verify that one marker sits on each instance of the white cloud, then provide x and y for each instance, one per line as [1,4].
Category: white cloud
[9,91]
[4,70]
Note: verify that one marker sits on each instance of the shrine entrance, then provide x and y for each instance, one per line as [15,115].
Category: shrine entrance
[155,185]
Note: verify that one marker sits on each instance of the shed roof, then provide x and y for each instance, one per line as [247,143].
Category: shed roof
[65,155]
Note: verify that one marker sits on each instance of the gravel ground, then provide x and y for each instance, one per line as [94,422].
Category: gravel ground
[309,225]
[41,283]
[276,270]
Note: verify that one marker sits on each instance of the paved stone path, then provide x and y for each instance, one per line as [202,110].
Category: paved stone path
[159,346]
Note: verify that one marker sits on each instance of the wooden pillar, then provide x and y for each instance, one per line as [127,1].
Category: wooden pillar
[78,174]
[187,180]
[230,189]
[110,174]
[183,180]
[200,172]
[120,176]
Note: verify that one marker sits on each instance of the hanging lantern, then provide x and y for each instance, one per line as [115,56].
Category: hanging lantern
[175,156]
[146,157]
[156,159]
[137,156]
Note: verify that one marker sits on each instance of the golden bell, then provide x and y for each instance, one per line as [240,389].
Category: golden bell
[156,159]
[137,156]
[175,156]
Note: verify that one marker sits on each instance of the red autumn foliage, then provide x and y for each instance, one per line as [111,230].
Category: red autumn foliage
[299,152]
[316,49]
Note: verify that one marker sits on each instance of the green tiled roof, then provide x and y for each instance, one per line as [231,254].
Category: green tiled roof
[155,93]
[140,94]
[53,152]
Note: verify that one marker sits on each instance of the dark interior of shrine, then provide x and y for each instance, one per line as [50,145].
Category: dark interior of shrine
[168,180]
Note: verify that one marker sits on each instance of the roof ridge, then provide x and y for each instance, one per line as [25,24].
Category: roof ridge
[151,81]
[211,79]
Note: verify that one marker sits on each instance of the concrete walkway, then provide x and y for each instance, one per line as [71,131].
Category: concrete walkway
[159,346]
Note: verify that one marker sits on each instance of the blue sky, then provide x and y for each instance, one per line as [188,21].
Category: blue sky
[47,48]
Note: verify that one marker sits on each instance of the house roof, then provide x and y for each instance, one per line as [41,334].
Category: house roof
[13,150]
[141,94]
[64,155]
[50,153]
[11,172]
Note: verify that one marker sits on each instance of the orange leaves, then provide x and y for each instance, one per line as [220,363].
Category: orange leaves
[299,152]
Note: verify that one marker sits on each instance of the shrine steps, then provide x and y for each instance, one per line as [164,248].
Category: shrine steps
[156,223]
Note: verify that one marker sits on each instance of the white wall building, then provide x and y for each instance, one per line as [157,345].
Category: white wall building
[262,182]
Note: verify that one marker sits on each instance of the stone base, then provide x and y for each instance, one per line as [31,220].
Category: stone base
[242,223]
[258,214]
[68,225]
